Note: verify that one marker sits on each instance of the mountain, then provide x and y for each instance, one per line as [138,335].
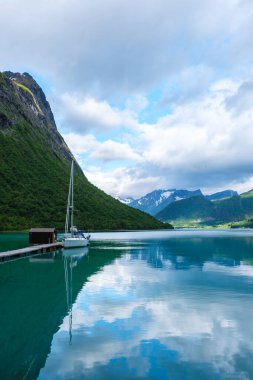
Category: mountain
[155,201]
[199,210]
[125,201]
[194,208]
[221,195]
[35,168]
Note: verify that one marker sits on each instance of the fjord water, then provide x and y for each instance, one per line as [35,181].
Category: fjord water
[11,241]
[141,305]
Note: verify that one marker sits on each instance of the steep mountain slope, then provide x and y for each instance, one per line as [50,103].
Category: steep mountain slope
[157,200]
[35,167]
[201,211]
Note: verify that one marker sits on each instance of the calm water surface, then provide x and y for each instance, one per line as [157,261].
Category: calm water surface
[137,305]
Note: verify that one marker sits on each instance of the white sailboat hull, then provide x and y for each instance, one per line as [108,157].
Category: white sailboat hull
[75,242]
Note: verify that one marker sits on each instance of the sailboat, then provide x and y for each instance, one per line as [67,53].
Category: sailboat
[73,238]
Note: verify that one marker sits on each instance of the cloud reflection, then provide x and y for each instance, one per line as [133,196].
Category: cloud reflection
[141,320]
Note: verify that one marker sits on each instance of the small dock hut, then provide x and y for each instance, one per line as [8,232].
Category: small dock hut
[42,236]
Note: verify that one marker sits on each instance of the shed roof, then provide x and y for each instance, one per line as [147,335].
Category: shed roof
[42,230]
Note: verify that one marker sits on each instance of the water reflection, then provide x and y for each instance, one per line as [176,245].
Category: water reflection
[175,310]
[33,307]
[71,259]
[131,309]
[43,258]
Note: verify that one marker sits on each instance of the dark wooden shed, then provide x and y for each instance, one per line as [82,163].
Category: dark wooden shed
[42,236]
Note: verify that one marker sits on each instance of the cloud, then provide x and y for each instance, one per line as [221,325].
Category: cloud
[201,141]
[84,114]
[242,100]
[186,85]
[123,181]
[119,48]
[112,150]
[200,144]
[105,151]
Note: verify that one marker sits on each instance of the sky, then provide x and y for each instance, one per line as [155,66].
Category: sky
[148,94]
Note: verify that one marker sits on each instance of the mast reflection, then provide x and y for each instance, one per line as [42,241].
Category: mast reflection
[71,259]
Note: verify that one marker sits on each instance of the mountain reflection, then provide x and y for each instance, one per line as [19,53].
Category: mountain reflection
[33,306]
[162,309]
[130,309]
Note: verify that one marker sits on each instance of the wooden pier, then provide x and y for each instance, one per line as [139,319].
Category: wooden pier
[17,253]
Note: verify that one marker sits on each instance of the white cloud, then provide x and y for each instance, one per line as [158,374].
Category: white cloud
[112,150]
[84,114]
[105,151]
[80,144]
[203,138]
[117,47]
[203,143]
[122,181]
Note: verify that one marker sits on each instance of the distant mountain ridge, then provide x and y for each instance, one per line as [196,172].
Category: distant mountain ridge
[201,211]
[221,195]
[157,200]
[197,208]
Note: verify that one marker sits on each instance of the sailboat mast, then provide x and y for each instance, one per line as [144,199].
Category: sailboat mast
[72,199]
[68,205]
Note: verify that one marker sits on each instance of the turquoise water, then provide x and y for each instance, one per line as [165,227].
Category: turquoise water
[146,305]
[11,241]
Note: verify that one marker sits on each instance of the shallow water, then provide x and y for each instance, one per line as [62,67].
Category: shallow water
[135,305]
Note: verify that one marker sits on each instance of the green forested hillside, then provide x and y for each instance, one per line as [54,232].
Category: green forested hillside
[247,206]
[195,207]
[199,211]
[35,168]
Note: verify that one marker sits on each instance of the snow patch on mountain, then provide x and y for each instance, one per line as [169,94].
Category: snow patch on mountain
[154,202]
[164,196]
[125,201]
[167,194]
[178,198]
